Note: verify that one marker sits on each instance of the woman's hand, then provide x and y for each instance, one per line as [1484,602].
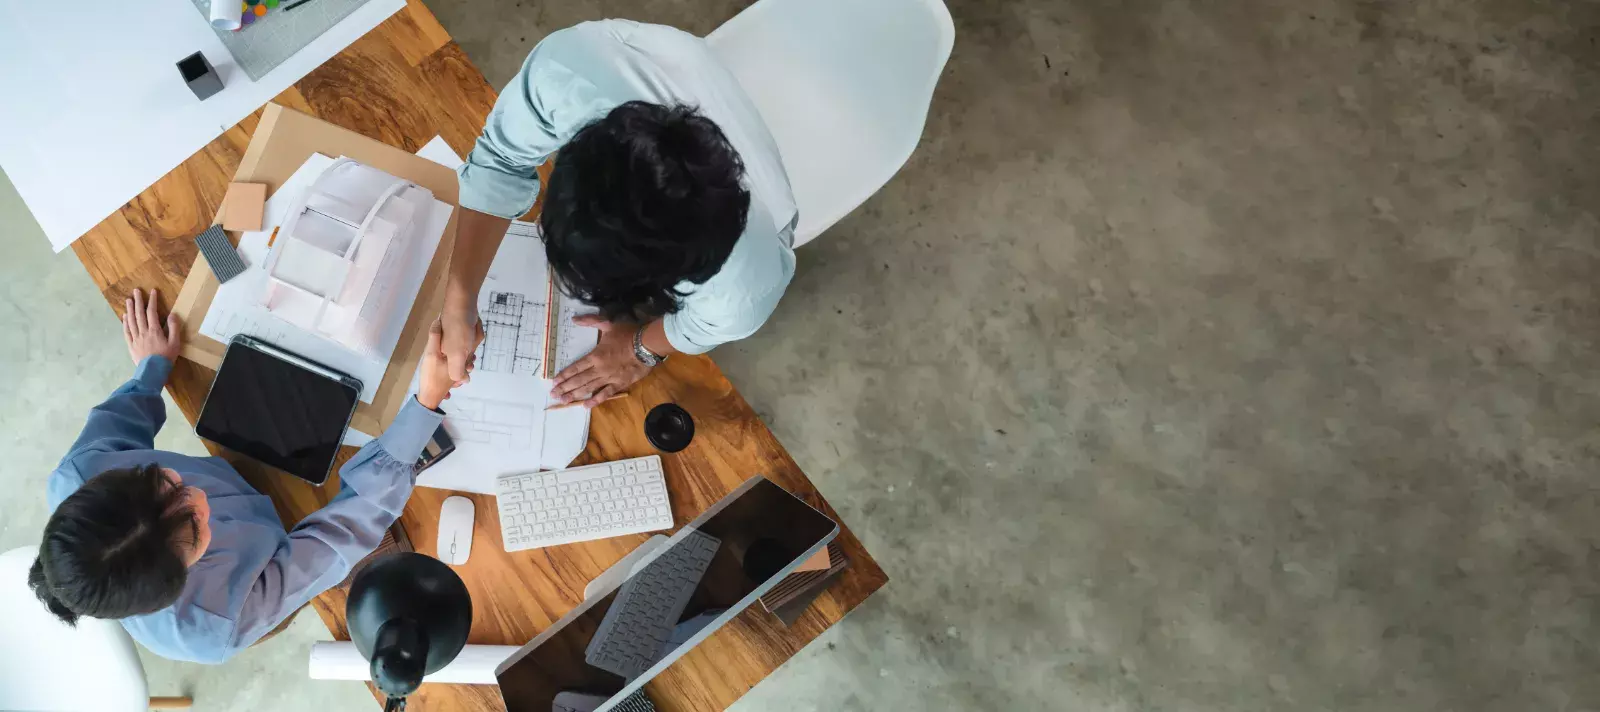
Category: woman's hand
[462,332]
[145,332]
[435,381]
[608,370]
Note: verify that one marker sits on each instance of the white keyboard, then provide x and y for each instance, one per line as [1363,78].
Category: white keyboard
[539,509]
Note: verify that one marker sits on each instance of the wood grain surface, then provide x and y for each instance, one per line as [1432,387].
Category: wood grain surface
[402,84]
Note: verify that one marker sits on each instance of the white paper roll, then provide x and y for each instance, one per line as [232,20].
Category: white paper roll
[225,14]
[474,666]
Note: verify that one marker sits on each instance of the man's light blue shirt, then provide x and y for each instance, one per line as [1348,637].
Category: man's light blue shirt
[578,75]
[254,574]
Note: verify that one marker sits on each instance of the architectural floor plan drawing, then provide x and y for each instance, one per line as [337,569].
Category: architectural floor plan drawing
[498,418]
[513,326]
[498,424]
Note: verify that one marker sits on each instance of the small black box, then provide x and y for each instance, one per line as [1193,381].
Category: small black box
[201,77]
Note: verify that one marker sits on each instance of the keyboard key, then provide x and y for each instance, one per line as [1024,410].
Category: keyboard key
[513,497]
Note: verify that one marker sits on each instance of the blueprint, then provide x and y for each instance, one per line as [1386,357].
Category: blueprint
[513,326]
[498,419]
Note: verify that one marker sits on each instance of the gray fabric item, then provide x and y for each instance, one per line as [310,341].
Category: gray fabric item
[220,254]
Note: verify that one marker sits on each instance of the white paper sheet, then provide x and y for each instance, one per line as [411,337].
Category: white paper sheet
[438,151]
[95,110]
[236,308]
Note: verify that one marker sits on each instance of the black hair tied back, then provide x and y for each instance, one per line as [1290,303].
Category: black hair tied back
[112,548]
[41,588]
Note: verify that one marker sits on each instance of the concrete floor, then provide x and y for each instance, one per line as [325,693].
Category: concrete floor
[1204,357]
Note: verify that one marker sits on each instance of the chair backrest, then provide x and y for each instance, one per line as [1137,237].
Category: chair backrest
[844,86]
[48,665]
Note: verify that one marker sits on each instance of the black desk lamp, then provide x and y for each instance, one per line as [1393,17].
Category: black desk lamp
[409,614]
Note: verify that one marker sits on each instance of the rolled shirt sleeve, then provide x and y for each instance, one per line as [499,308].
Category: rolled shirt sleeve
[539,111]
[735,302]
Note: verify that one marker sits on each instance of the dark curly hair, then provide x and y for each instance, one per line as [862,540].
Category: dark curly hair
[109,550]
[645,198]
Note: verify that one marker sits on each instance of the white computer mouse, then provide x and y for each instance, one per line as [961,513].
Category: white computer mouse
[455,531]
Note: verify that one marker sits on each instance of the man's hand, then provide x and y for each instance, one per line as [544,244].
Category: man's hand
[144,331]
[463,331]
[435,382]
[609,369]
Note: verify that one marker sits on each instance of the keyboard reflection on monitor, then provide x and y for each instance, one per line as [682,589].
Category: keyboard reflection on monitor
[635,631]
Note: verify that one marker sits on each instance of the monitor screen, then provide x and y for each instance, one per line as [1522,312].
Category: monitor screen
[609,646]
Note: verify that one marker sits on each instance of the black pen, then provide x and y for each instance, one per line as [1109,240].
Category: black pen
[287,8]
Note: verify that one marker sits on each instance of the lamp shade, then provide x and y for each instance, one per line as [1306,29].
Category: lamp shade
[409,615]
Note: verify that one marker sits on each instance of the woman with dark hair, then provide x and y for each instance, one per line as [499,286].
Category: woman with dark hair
[668,210]
[191,559]
[122,544]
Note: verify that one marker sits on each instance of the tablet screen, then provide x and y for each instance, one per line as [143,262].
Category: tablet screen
[278,412]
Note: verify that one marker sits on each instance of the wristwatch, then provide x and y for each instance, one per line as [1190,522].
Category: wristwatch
[643,354]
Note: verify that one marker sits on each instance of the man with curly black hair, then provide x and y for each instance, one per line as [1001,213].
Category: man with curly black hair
[668,209]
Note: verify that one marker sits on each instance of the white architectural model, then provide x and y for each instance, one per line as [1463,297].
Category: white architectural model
[339,256]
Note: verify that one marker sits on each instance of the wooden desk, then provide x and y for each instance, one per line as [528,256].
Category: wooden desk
[404,83]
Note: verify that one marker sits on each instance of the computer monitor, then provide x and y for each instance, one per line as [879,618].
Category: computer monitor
[614,642]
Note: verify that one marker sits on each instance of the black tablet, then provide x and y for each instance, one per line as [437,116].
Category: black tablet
[280,408]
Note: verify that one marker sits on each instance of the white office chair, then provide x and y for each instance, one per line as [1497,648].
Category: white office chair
[844,85]
[48,665]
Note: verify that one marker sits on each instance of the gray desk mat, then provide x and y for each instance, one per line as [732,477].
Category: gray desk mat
[264,44]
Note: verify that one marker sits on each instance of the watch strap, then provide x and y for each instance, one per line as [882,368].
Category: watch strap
[642,353]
